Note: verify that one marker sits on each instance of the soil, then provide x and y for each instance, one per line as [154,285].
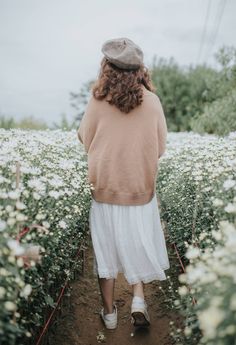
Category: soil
[80,323]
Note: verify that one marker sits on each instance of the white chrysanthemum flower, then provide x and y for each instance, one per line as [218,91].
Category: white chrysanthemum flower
[217,235]
[66,164]
[4,272]
[36,196]
[20,217]
[231,240]
[187,331]
[3,195]
[46,224]
[2,291]
[226,227]
[10,306]
[229,184]
[20,205]
[15,247]
[54,194]
[182,278]
[209,319]
[183,290]
[14,194]
[202,236]
[195,274]
[20,262]
[11,259]
[56,182]
[26,291]
[26,193]
[217,202]
[62,224]
[9,208]
[193,252]
[3,225]
[40,216]
[36,184]
[230,208]
[232,135]
[34,171]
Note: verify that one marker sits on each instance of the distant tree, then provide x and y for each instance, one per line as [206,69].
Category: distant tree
[7,122]
[218,117]
[219,113]
[80,99]
[28,122]
[182,90]
[64,123]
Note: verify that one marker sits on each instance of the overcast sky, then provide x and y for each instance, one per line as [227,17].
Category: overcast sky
[51,47]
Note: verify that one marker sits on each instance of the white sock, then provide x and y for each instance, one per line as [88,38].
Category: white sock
[138,299]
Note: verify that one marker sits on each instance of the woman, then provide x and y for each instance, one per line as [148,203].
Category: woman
[124,132]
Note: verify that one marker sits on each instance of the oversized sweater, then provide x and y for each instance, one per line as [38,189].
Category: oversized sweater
[123,149]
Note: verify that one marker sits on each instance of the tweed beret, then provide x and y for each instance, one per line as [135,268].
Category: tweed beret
[123,53]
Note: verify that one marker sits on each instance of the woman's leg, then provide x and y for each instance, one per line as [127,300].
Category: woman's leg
[107,287]
[138,289]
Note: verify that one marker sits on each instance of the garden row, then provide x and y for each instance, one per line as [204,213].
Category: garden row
[197,189]
[44,203]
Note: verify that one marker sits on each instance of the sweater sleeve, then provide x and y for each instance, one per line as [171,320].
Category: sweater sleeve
[162,130]
[87,127]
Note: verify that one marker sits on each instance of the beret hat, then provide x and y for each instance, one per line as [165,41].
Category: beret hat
[123,53]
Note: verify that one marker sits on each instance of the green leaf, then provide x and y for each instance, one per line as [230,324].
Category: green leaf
[49,300]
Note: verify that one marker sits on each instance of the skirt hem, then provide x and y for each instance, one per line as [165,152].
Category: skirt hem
[145,279]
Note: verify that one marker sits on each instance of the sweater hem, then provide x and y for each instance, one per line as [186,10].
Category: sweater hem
[122,198]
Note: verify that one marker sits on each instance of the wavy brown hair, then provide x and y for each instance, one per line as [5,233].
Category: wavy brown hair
[122,87]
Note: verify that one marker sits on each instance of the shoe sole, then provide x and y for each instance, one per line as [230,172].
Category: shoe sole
[139,320]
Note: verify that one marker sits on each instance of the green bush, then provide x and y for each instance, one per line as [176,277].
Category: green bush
[198,98]
[183,91]
[218,117]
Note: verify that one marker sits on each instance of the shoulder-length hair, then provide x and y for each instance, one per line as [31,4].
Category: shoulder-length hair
[122,87]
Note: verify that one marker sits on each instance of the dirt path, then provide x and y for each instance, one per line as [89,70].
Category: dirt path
[80,323]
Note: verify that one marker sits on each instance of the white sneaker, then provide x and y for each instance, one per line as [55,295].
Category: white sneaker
[110,320]
[139,313]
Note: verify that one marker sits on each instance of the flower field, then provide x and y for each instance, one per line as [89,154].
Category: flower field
[197,188]
[44,203]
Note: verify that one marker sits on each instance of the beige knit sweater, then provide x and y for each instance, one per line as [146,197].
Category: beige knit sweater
[123,149]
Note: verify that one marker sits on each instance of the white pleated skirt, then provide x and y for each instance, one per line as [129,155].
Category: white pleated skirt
[128,239]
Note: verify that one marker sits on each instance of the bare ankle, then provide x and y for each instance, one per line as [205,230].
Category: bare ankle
[108,309]
[138,290]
